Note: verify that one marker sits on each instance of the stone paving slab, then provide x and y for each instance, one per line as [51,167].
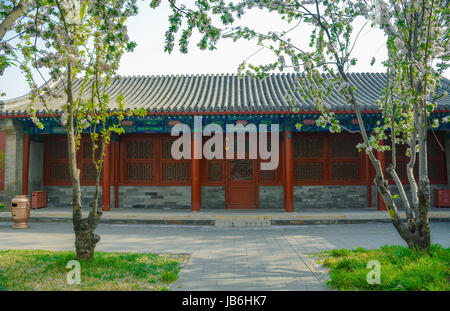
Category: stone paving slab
[229,218]
[229,259]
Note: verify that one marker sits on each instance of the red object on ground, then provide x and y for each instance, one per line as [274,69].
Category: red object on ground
[38,199]
[442,197]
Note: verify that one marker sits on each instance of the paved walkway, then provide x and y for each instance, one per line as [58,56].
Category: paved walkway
[271,258]
[220,216]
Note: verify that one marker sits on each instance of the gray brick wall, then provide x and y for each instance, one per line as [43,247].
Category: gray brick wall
[271,197]
[61,196]
[171,197]
[330,197]
[177,197]
[213,197]
[394,191]
[13,158]
[36,166]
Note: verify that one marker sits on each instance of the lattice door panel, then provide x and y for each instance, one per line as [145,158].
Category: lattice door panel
[241,169]
[59,172]
[268,175]
[58,149]
[215,171]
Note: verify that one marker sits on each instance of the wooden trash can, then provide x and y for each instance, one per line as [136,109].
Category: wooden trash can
[442,197]
[38,199]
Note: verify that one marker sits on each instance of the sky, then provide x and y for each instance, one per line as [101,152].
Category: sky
[148,28]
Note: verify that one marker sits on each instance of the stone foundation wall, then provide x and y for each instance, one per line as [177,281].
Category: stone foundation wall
[398,201]
[330,197]
[129,196]
[170,197]
[36,170]
[13,158]
[213,197]
[61,196]
[271,197]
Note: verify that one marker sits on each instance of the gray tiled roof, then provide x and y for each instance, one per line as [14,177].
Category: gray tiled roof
[219,93]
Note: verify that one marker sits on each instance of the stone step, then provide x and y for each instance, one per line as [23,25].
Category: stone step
[242,223]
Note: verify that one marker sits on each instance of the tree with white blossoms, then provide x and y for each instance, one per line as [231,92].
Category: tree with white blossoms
[418,47]
[10,12]
[77,39]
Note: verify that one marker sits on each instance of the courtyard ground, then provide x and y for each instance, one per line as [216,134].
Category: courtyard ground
[221,258]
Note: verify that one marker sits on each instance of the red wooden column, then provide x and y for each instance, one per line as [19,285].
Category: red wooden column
[380,203]
[25,163]
[368,171]
[196,191]
[115,150]
[289,172]
[106,202]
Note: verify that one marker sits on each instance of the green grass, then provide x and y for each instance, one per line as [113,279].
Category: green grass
[400,267]
[46,270]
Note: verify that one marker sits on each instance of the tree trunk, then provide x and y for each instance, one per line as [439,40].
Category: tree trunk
[414,231]
[85,237]
[11,18]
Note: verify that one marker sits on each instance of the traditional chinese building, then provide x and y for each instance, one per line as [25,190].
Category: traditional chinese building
[317,169]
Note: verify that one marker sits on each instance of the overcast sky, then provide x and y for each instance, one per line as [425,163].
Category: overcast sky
[148,28]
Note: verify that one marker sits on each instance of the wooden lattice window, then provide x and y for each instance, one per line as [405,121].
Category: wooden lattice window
[140,159]
[59,172]
[87,149]
[308,171]
[88,170]
[401,160]
[56,160]
[437,172]
[139,172]
[268,175]
[166,152]
[344,158]
[173,171]
[271,177]
[215,171]
[308,147]
[344,146]
[58,148]
[309,157]
[345,170]
[435,157]
[140,149]
[147,160]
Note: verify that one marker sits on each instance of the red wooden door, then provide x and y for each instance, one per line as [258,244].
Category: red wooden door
[241,184]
